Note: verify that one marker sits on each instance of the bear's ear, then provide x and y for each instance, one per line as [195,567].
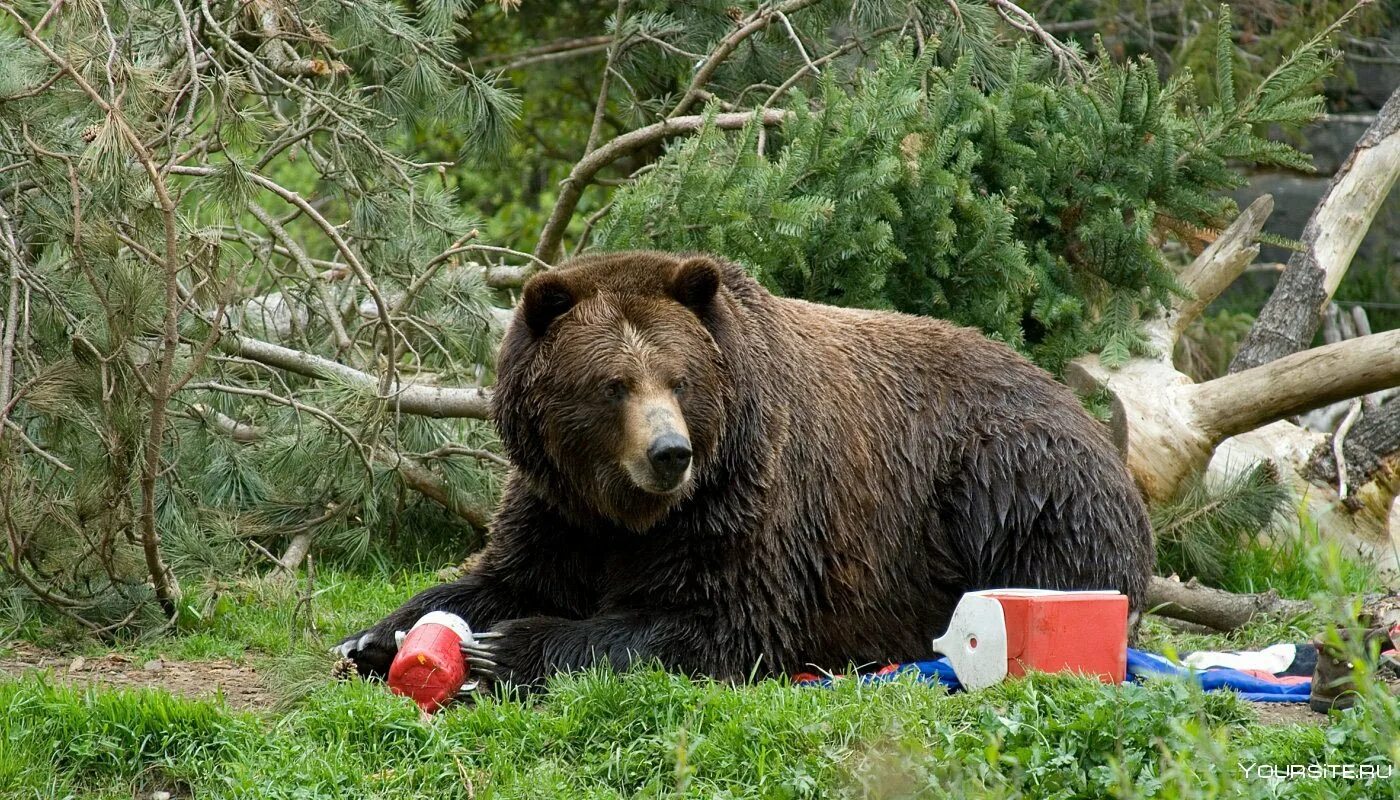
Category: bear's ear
[547,297]
[695,283]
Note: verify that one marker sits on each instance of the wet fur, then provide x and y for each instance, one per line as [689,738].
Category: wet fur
[855,473]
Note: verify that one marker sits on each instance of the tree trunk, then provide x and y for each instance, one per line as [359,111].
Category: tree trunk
[1372,443]
[1290,318]
[1169,427]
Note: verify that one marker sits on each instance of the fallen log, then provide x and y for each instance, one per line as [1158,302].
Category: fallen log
[1220,610]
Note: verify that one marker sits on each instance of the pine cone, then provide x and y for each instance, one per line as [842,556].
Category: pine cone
[344,669]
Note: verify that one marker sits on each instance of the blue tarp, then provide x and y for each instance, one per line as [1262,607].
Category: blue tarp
[1142,666]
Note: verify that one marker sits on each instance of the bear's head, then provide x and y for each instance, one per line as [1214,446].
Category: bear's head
[612,391]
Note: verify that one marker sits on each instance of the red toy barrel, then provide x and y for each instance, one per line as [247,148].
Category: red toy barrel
[430,667]
[1083,632]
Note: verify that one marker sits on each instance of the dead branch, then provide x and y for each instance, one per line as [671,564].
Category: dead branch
[1021,20]
[1373,441]
[1169,427]
[428,401]
[571,188]
[1242,401]
[1214,608]
[1211,273]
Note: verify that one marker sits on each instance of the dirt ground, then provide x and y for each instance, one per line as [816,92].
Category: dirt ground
[1288,714]
[240,685]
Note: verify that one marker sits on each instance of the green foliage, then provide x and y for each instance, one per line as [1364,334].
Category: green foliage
[1031,206]
[1207,524]
[1236,535]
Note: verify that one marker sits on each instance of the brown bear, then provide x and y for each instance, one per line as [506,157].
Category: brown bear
[731,483]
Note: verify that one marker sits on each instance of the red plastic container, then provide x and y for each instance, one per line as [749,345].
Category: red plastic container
[430,667]
[1083,632]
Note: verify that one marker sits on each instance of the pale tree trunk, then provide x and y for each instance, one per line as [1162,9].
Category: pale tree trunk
[1290,318]
[1171,428]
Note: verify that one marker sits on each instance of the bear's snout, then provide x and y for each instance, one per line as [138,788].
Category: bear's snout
[669,456]
[657,452]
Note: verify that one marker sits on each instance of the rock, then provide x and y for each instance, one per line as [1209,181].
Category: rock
[154,665]
[1328,141]
[1295,197]
[78,664]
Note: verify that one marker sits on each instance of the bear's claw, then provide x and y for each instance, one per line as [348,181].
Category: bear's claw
[481,656]
[352,645]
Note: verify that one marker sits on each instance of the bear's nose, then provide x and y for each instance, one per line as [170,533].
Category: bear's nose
[670,457]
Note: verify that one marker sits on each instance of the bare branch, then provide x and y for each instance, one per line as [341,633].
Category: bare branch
[1212,272]
[1223,611]
[1021,20]
[1296,383]
[571,188]
[428,401]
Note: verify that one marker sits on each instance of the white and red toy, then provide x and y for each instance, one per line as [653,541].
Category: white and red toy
[430,668]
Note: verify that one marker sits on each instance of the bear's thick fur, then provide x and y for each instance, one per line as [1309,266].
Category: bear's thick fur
[724,480]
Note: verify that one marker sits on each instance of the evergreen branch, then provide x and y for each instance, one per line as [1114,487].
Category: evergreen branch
[552,51]
[166,589]
[431,268]
[302,260]
[35,448]
[605,83]
[263,394]
[413,473]
[10,331]
[472,452]
[333,233]
[849,45]
[571,188]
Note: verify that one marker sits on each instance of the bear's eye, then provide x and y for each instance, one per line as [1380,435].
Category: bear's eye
[614,389]
[679,387]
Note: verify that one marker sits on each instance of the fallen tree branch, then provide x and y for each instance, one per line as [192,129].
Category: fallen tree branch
[1211,273]
[1214,608]
[1299,382]
[1338,439]
[1372,441]
[427,401]
[1168,427]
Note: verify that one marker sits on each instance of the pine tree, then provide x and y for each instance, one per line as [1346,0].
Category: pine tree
[182,179]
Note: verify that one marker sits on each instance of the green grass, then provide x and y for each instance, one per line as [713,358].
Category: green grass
[650,734]
[646,734]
